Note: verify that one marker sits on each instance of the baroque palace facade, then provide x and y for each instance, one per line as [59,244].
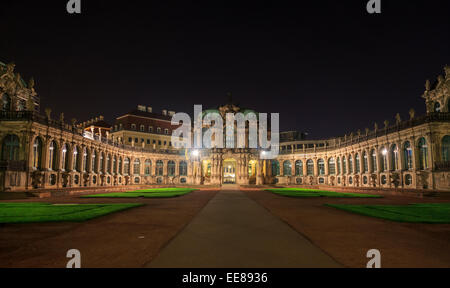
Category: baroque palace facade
[40,152]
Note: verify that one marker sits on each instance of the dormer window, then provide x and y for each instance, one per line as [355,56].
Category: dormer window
[166,131]
[150,129]
[158,130]
[133,126]
[142,128]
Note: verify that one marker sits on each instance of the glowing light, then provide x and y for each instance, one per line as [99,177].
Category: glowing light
[195,153]
[384,152]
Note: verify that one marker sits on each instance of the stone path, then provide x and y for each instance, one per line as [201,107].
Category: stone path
[234,231]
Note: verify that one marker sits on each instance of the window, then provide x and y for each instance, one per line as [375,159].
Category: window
[148,167]
[130,139]
[166,131]
[148,141]
[384,163]
[114,171]
[394,158]
[64,158]
[142,128]
[331,166]
[159,142]
[171,168]
[126,166]
[446,148]
[275,168]
[101,162]
[287,168]
[37,153]
[437,107]
[407,152]
[136,166]
[108,163]
[310,167]
[408,179]
[383,180]
[183,168]
[120,166]
[75,159]
[159,168]
[298,168]
[350,164]
[133,126]
[357,163]
[94,167]
[339,166]
[150,129]
[85,159]
[52,156]
[344,165]
[321,166]
[365,163]
[373,163]
[6,102]
[423,154]
[10,149]
[158,130]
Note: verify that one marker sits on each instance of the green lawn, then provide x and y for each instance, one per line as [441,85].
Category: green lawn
[147,193]
[415,213]
[45,212]
[309,193]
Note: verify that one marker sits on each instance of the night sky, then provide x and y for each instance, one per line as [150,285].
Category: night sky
[328,67]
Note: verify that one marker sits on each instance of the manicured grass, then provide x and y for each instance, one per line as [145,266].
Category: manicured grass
[45,212]
[415,213]
[147,193]
[310,193]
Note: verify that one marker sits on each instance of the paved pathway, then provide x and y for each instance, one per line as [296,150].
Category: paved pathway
[234,231]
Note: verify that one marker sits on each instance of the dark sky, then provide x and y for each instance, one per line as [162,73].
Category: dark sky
[328,67]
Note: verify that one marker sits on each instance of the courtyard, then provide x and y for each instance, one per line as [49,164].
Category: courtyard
[232,227]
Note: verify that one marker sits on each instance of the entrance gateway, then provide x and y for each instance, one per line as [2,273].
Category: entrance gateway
[229,171]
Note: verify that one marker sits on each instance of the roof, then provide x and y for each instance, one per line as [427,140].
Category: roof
[140,113]
[100,123]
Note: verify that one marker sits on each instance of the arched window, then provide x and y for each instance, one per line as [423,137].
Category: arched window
[94,167]
[114,165]
[437,107]
[338,166]
[275,168]
[10,149]
[183,168]
[108,163]
[171,168]
[350,164]
[159,168]
[52,156]
[394,158]
[64,158]
[148,167]
[142,128]
[331,166]
[287,168]
[136,166]
[321,166]
[6,102]
[423,154]
[407,155]
[344,165]
[310,167]
[102,156]
[120,165]
[384,162]
[126,166]
[85,159]
[357,163]
[365,163]
[37,153]
[446,148]
[74,158]
[373,164]
[298,168]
